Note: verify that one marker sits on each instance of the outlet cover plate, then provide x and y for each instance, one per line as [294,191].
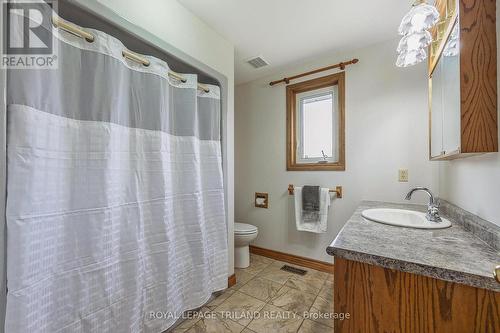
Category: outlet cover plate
[403,175]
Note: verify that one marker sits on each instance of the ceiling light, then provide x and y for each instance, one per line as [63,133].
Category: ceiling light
[414,41]
[411,58]
[421,17]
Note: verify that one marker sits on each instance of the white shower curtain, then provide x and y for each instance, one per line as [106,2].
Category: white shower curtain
[115,204]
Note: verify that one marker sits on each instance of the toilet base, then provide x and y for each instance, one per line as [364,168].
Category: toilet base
[241,256]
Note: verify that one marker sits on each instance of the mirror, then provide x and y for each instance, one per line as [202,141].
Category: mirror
[445,99]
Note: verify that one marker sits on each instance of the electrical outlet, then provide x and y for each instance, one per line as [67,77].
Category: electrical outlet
[403,175]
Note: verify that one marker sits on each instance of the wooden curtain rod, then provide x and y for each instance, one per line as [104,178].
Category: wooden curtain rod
[340,65]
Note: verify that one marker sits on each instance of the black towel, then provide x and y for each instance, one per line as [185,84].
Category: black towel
[310,198]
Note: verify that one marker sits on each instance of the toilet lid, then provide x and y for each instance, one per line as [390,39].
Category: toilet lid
[244,228]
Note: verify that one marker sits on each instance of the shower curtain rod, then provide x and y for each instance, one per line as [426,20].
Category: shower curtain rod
[63,24]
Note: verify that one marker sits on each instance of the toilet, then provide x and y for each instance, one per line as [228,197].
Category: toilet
[243,234]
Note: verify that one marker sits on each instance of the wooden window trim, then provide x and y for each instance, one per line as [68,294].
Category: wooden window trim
[291,122]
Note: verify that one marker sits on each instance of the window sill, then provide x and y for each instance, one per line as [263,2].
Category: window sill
[316,167]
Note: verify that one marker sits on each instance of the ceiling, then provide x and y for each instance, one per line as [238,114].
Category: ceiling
[284,32]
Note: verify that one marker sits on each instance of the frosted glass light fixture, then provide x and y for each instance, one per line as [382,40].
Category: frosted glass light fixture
[411,58]
[420,18]
[414,41]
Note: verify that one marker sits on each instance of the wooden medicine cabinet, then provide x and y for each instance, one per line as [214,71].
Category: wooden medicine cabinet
[463,80]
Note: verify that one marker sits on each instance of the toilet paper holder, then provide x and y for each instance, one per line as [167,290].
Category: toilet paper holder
[261,200]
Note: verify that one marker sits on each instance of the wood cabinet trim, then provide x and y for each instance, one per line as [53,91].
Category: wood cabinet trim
[433,61]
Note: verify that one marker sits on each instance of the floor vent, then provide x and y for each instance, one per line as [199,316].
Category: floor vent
[293,270]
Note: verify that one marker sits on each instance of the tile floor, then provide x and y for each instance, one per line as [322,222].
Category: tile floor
[266,299]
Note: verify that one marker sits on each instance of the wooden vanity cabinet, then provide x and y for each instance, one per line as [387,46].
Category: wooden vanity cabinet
[463,83]
[386,300]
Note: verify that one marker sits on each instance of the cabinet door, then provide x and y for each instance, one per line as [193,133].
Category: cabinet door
[445,101]
[437,108]
[450,70]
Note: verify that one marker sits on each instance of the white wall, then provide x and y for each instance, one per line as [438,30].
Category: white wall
[173,23]
[386,129]
[473,183]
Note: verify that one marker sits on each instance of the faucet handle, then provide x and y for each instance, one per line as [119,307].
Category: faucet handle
[433,213]
[433,209]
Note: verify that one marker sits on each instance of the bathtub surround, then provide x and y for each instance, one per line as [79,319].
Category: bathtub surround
[386,126]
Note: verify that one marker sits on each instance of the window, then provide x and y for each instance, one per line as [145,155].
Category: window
[315,124]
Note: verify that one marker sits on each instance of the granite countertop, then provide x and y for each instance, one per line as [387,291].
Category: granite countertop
[451,254]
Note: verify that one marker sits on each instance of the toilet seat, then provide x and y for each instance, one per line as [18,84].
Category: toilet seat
[244,229]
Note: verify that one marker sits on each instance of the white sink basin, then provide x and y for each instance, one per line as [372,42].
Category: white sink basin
[403,218]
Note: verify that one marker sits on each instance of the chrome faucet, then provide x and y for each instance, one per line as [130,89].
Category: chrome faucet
[433,207]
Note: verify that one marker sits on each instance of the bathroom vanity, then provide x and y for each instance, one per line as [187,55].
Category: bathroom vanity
[396,279]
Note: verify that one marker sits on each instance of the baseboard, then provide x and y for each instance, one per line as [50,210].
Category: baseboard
[231,281]
[293,259]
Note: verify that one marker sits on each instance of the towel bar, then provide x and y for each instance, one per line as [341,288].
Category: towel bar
[337,190]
